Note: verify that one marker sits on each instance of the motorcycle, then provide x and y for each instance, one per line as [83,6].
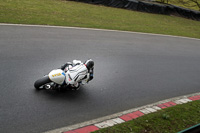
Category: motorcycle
[67,76]
[55,80]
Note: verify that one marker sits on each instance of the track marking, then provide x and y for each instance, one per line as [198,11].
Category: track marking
[93,29]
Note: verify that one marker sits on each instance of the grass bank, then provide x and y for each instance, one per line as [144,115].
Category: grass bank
[68,13]
[169,120]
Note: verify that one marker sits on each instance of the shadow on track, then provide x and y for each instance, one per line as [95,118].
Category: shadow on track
[64,94]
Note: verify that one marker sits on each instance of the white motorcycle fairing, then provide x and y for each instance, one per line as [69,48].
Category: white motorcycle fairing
[57,76]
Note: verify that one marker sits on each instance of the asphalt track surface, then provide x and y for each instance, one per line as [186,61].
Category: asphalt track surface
[131,70]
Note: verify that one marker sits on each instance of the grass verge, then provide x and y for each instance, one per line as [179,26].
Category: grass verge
[68,13]
[169,120]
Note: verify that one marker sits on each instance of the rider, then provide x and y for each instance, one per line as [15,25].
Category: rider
[78,73]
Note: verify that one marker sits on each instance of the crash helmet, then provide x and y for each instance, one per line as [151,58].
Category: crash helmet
[89,63]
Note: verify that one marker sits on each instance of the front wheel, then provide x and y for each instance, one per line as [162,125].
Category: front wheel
[40,83]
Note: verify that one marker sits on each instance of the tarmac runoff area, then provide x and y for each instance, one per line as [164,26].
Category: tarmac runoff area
[111,120]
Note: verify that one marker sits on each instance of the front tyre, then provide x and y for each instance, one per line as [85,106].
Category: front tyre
[39,84]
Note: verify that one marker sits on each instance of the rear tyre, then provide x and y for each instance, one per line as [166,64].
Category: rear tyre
[40,83]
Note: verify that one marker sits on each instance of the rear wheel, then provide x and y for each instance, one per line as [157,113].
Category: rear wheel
[40,83]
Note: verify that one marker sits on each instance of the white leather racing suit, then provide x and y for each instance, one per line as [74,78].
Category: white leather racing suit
[76,73]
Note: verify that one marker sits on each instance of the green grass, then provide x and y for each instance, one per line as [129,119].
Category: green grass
[170,120]
[68,13]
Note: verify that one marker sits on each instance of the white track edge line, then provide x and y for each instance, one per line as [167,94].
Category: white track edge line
[81,28]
